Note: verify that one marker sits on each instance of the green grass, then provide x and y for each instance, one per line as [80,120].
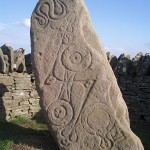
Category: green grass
[25,134]
[32,134]
[145,138]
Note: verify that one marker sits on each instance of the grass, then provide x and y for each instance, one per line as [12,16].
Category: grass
[145,138]
[25,134]
[32,134]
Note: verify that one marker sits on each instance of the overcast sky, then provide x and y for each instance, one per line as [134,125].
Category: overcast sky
[122,25]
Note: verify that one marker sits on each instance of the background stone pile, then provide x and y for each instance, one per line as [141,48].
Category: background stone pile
[125,66]
[18,96]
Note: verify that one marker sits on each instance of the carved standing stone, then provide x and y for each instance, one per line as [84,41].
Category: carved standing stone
[79,94]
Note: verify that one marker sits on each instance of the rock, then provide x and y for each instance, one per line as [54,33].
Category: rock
[123,65]
[4,64]
[8,50]
[19,60]
[79,94]
[7,81]
[144,66]
[23,83]
[112,59]
[135,63]
[28,63]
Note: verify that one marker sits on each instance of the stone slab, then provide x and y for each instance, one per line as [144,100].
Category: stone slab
[79,94]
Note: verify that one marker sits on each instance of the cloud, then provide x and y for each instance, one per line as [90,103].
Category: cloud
[3,26]
[25,23]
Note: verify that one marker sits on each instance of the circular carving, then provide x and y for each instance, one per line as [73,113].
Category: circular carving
[97,119]
[60,113]
[76,59]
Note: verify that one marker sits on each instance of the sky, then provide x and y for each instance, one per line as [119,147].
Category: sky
[122,25]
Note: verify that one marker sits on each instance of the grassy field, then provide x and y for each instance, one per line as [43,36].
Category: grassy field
[27,134]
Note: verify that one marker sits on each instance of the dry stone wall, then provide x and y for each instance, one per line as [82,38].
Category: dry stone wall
[18,96]
[133,77]
[136,93]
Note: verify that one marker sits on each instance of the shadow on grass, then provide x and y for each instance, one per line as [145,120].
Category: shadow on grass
[144,135]
[39,118]
[37,139]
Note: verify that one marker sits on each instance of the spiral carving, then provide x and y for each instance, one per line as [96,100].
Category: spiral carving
[47,11]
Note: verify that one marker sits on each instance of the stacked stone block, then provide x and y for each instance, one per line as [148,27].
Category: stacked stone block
[134,81]
[136,93]
[18,96]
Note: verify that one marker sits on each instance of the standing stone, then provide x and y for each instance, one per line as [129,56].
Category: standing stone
[19,60]
[8,50]
[79,94]
[4,64]
[28,63]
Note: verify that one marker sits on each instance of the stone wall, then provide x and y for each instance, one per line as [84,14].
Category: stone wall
[133,77]
[136,93]
[18,96]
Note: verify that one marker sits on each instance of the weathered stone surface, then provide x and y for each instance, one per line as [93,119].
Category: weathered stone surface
[4,65]
[135,63]
[8,50]
[123,65]
[7,80]
[28,63]
[79,93]
[19,60]
[17,96]
[112,60]
[144,66]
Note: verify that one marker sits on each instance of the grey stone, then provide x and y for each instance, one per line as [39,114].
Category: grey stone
[79,94]
[4,65]
[144,66]
[112,60]
[28,63]
[19,60]
[7,81]
[123,65]
[135,63]
[8,50]
[15,92]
